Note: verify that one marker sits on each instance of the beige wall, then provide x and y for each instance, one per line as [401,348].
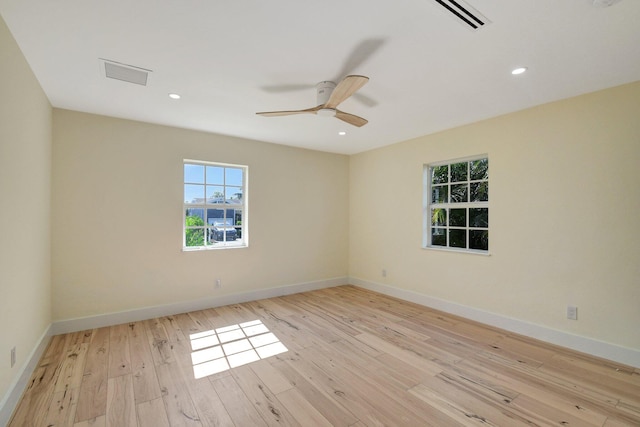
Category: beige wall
[564,212]
[101,231]
[117,216]
[25,170]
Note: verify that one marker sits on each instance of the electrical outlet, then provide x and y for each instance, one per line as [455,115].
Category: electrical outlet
[572,312]
[218,283]
[13,356]
[384,272]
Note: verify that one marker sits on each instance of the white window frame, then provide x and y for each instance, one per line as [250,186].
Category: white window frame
[242,205]
[428,205]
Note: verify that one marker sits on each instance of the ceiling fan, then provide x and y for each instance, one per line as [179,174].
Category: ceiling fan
[329,97]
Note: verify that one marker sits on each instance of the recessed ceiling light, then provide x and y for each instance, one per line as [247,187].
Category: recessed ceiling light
[342,133]
[518,70]
[174,96]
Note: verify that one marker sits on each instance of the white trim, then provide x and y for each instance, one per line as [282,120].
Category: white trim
[624,355]
[10,400]
[459,160]
[109,319]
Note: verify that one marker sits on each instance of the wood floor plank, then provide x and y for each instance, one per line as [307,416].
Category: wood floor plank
[508,387]
[145,380]
[543,413]
[239,407]
[38,395]
[201,319]
[151,413]
[179,406]
[72,368]
[324,401]
[555,390]
[100,421]
[210,408]
[301,409]
[333,387]
[119,355]
[452,408]
[421,363]
[270,376]
[390,403]
[62,410]
[353,358]
[92,401]
[269,407]
[173,330]
[121,408]
[158,341]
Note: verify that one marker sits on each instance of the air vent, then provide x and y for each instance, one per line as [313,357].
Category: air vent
[464,13]
[125,73]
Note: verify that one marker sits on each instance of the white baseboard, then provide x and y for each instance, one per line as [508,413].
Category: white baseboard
[624,355]
[109,319]
[11,399]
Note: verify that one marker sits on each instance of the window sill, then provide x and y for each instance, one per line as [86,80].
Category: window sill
[459,251]
[213,248]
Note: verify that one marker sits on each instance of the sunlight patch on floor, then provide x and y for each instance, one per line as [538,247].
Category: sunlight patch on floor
[224,348]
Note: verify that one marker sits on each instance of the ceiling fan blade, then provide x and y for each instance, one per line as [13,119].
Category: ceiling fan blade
[364,99]
[347,87]
[313,110]
[352,119]
[361,53]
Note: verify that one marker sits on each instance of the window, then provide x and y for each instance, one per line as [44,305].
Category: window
[456,214]
[215,205]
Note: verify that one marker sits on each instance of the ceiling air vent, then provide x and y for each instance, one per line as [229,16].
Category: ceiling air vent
[124,72]
[464,13]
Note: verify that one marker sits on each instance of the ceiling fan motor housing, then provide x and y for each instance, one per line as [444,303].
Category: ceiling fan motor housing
[325,89]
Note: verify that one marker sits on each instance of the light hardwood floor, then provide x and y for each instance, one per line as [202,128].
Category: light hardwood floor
[354,358]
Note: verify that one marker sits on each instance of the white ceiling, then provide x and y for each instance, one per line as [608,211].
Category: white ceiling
[231,59]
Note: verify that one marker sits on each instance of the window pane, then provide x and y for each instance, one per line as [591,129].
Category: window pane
[459,193]
[215,215]
[233,195]
[440,194]
[194,174]
[194,237]
[438,217]
[215,175]
[194,217]
[479,217]
[215,194]
[458,218]
[459,172]
[237,220]
[233,176]
[440,174]
[479,239]
[193,193]
[221,225]
[479,191]
[438,237]
[458,238]
[479,169]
